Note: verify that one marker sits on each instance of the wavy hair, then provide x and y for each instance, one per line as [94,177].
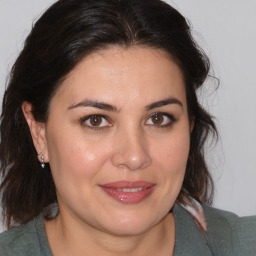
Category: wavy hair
[66,33]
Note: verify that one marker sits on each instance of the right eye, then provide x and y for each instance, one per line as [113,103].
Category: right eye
[160,120]
[95,122]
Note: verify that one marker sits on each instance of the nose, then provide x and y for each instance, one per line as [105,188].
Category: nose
[131,151]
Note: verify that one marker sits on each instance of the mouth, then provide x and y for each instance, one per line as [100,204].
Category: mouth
[128,192]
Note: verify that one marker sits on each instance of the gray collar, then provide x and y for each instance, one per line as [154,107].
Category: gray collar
[189,239]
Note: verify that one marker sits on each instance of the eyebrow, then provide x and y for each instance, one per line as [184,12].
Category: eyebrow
[94,104]
[164,102]
[105,106]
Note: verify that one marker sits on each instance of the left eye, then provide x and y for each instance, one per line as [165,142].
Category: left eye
[160,119]
[95,121]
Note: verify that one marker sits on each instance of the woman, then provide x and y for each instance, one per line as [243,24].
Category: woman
[108,136]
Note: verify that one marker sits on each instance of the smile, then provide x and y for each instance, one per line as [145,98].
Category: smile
[128,192]
[132,190]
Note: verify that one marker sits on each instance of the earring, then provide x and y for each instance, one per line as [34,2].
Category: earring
[41,160]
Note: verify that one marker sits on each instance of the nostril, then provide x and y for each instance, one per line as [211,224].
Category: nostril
[131,150]
[131,160]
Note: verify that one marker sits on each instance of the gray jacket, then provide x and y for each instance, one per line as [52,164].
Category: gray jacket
[227,235]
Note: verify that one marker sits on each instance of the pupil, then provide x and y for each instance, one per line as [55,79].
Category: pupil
[96,120]
[157,119]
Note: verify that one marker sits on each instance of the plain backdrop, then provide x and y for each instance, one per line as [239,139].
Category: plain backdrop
[225,29]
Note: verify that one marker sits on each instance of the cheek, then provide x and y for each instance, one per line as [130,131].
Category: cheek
[72,156]
[170,160]
[172,153]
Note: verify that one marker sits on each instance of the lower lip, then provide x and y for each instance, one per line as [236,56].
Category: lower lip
[128,197]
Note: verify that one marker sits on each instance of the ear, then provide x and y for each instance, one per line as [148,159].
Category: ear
[37,131]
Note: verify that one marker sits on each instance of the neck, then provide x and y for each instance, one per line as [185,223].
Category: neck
[72,238]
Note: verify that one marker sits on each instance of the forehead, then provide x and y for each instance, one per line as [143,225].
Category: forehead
[124,75]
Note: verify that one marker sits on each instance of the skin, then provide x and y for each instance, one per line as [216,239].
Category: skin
[127,145]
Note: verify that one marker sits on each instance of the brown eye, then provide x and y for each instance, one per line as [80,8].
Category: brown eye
[160,120]
[157,119]
[95,120]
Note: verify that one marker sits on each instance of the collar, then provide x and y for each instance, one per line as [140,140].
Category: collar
[189,239]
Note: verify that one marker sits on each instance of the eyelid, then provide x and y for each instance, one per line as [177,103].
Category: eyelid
[170,116]
[86,118]
[83,120]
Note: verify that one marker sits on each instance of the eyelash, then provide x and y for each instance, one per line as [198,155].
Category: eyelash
[171,118]
[84,119]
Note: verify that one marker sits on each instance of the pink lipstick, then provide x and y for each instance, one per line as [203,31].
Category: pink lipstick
[129,192]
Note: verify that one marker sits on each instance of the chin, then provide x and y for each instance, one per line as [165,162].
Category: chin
[126,225]
[129,230]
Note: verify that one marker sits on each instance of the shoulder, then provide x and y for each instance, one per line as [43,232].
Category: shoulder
[21,240]
[228,232]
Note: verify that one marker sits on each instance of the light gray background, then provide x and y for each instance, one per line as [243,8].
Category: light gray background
[226,30]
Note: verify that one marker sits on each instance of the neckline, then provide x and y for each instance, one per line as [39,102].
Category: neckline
[42,237]
[188,238]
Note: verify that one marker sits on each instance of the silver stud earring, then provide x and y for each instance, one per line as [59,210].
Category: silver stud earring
[41,160]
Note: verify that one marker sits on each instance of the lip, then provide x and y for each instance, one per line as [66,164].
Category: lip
[140,191]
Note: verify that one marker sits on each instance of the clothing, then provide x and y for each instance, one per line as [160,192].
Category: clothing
[227,235]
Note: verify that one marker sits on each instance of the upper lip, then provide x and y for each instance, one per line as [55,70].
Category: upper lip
[128,184]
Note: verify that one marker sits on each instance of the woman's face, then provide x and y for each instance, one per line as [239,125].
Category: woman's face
[118,139]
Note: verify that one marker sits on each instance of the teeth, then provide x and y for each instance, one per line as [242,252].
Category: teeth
[130,189]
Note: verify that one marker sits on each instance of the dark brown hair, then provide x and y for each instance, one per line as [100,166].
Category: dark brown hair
[67,32]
